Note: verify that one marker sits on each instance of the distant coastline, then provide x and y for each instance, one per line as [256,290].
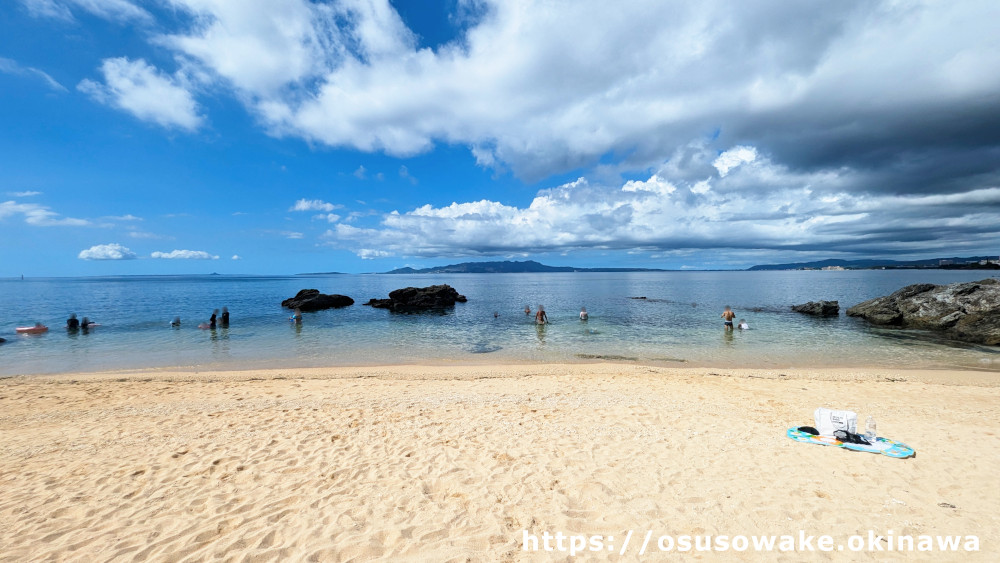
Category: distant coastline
[954,263]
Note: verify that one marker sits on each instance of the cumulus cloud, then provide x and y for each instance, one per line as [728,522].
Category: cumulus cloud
[10,66]
[184,255]
[236,257]
[112,251]
[538,89]
[314,205]
[39,215]
[676,209]
[139,88]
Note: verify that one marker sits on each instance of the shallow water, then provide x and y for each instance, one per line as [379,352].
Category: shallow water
[678,324]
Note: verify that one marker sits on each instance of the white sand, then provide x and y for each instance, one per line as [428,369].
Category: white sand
[419,463]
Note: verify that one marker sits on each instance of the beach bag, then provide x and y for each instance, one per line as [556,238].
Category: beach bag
[829,421]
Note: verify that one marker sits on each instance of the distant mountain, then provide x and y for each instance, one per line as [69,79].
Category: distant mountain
[862,264]
[508,267]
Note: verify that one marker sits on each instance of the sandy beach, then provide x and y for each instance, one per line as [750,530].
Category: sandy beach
[453,463]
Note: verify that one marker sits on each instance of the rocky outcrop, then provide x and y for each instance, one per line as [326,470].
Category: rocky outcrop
[818,308]
[969,312]
[313,300]
[419,299]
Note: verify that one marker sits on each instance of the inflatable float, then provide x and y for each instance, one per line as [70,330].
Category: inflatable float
[883,446]
[37,329]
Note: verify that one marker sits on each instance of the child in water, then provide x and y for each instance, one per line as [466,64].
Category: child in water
[743,325]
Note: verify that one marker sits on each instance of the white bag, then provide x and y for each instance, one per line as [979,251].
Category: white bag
[829,421]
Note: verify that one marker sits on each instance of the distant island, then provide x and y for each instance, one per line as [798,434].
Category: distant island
[508,267]
[970,263]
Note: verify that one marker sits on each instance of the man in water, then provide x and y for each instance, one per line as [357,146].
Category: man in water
[225,317]
[727,317]
[583,314]
[540,317]
[212,319]
[527,309]
[72,322]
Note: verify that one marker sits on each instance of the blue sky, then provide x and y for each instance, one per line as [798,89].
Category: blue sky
[173,136]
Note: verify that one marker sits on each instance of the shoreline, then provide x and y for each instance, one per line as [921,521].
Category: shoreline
[420,463]
[472,370]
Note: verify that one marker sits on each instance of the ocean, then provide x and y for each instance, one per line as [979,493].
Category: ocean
[677,324]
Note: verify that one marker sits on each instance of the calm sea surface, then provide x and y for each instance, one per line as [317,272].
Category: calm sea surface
[678,324]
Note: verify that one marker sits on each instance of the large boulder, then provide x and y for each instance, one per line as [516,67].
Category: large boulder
[819,308]
[419,299]
[963,311]
[313,300]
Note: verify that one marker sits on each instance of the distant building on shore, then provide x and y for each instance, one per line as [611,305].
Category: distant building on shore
[946,262]
[834,268]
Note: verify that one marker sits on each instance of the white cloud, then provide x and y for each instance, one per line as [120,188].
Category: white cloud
[313,205]
[675,210]
[540,90]
[294,235]
[329,217]
[733,158]
[39,215]
[121,11]
[361,173]
[127,218]
[24,194]
[112,251]
[10,66]
[236,257]
[140,89]
[655,184]
[184,255]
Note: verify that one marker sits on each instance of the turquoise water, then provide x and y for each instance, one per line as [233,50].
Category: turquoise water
[678,324]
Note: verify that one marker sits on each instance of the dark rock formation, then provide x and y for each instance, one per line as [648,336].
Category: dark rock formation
[818,308]
[963,311]
[313,300]
[419,298]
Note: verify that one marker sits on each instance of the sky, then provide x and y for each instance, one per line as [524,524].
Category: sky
[288,136]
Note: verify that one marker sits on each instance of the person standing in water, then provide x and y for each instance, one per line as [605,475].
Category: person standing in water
[527,310]
[727,318]
[213,319]
[225,317]
[296,316]
[743,325]
[72,322]
[540,317]
[583,314]
[176,322]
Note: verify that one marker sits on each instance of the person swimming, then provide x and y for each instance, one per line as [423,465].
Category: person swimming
[85,323]
[176,321]
[743,325]
[540,317]
[72,322]
[296,316]
[583,314]
[527,309]
[225,317]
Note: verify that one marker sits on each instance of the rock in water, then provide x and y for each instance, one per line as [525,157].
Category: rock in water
[313,300]
[819,308]
[969,312]
[419,299]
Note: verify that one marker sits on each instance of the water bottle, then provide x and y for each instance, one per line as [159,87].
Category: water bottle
[870,429]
